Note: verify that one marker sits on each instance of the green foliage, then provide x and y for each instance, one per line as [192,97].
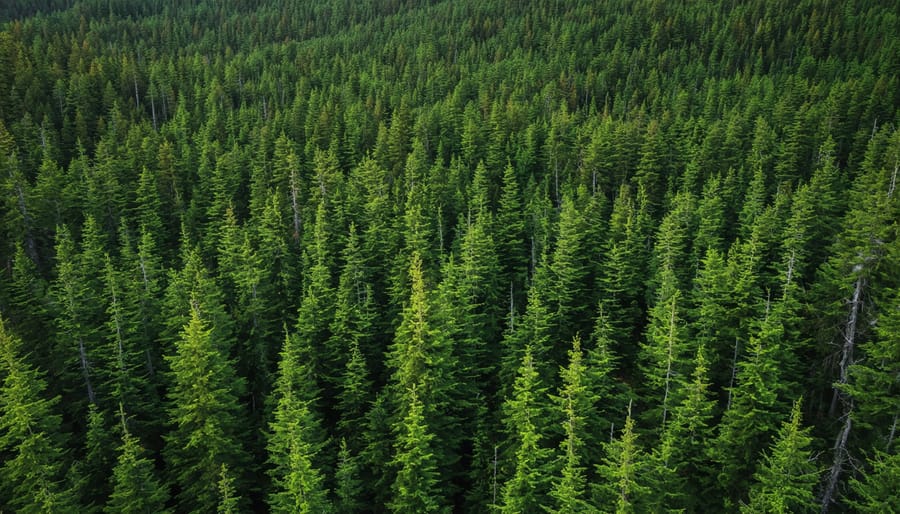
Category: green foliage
[623,473]
[526,488]
[204,409]
[877,489]
[416,487]
[785,480]
[422,193]
[135,488]
[31,441]
[576,404]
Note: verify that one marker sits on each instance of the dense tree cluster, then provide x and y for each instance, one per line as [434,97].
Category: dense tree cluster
[382,255]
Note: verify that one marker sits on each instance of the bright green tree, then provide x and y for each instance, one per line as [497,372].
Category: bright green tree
[296,439]
[135,488]
[30,436]
[576,403]
[416,487]
[623,474]
[204,412]
[527,486]
[662,355]
[785,480]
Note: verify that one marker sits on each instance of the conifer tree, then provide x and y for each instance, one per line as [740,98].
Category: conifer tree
[296,439]
[351,344]
[622,474]
[878,490]
[76,322]
[510,238]
[576,402]
[569,271]
[30,436]
[422,358]
[625,264]
[416,486]
[785,480]
[317,308]
[756,402]
[349,487]
[93,467]
[526,488]
[135,488]
[229,500]
[533,332]
[662,355]
[682,456]
[204,412]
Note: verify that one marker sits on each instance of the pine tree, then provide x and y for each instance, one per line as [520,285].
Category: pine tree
[93,467]
[785,480]
[662,355]
[349,487]
[576,402]
[204,412]
[622,474]
[569,273]
[526,488]
[416,487]
[30,436]
[422,357]
[878,490]
[688,474]
[756,402]
[296,439]
[228,499]
[624,264]
[135,488]
[77,321]
[510,237]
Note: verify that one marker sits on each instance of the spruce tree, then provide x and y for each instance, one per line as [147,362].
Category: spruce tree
[622,487]
[662,358]
[135,488]
[576,402]
[296,439]
[785,480]
[526,488]
[878,490]
[30,436]
[205,414]
[416,486]
[349,487]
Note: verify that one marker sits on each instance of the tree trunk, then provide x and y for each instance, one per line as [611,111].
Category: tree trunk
[840,444]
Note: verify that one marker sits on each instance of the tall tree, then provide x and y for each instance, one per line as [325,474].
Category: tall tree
[785,479]
[296,439]
[204,412]
[576,403]
[135,488]
[623,473]
[526,488]
[31,439]
[416,487]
